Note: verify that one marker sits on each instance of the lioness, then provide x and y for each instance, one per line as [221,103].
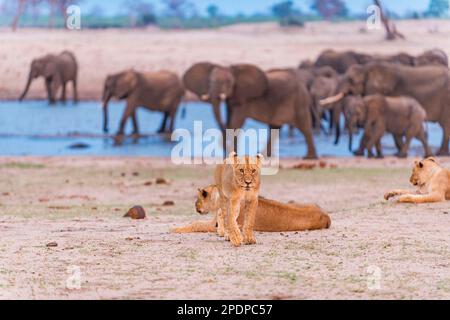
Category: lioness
[271,216]
[433,182]
[238,180]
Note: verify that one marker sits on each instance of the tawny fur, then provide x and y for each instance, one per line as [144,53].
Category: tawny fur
[271,216]
[238,181]
[433,182]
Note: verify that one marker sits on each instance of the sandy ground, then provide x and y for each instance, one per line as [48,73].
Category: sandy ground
[103,52]
[374,249]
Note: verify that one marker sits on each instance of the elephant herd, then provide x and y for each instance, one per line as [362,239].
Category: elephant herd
[394,94]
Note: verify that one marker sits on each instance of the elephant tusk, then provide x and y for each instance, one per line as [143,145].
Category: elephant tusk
[205,97]
[223,96]
[330,100]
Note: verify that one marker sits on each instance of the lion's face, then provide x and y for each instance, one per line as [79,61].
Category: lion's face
[207,200]
[422,171]
[247,174]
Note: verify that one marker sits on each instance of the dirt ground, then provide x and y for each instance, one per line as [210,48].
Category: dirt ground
[101,52]
[374,249]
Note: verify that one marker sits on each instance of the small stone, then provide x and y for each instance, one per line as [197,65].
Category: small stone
[137,212]
[168,203]
[51,244]
[135,174]
[148,183]
[161,181]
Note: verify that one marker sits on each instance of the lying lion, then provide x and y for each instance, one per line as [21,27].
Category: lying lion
[433,182]
[271,216]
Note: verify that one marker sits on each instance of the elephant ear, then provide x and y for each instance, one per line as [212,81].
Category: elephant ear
[250,81]
[381,78]
[50,69]
[196,78]
[125,83]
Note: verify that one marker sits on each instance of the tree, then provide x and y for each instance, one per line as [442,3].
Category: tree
[176,8]
[437,8]
[391,29]
[140,13]
[213,11]
[329,9]
[287,14]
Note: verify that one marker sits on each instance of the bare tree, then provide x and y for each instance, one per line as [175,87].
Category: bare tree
[391,30]
[21,5]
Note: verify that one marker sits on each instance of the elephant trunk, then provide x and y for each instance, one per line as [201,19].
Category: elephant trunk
[217,114]
[27,86]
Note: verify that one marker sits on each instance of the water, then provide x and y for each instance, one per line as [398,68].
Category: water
[35,128]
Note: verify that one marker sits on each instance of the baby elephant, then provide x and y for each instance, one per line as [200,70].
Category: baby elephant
[403,117]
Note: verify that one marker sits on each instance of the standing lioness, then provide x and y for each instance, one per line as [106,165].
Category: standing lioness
[238,180]
[433,182]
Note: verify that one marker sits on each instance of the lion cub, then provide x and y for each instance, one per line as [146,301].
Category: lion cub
[433,182]
[238,180]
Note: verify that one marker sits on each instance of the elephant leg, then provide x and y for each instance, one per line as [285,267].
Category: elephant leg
[304,125]
[331,124]
[63,92]
[162,129]
[398,140]
[422,137]
[48,86]
[236,122]
[135,126]
[172,114]
[75,90]
[362,145]
[379,149]
[411,132]
[129,110]
[269,140]
[443,151]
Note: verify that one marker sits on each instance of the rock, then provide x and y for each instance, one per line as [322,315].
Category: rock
[5,194]
[168,203]
[148,183]
[135,174]
[161,181]
[79,145]
[137,212]
[305,166]
[51,244]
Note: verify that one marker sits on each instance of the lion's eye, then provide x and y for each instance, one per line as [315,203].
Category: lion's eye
[241,170]
[254,170]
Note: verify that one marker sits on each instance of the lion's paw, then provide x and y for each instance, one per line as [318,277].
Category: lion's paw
[249,239]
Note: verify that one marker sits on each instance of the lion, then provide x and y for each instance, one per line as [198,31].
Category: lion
[271,216]
[238,181]
[432,180]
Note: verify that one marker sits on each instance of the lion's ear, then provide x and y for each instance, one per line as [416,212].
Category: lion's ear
[232,158]
[431,159]
[259,159]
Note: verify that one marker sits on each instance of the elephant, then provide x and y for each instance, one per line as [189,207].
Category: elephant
[285,100]
[432,57]
[321,88]
[158,91]
[57,71]
[341,61]
[214,83]
[401,116]
[429,85]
